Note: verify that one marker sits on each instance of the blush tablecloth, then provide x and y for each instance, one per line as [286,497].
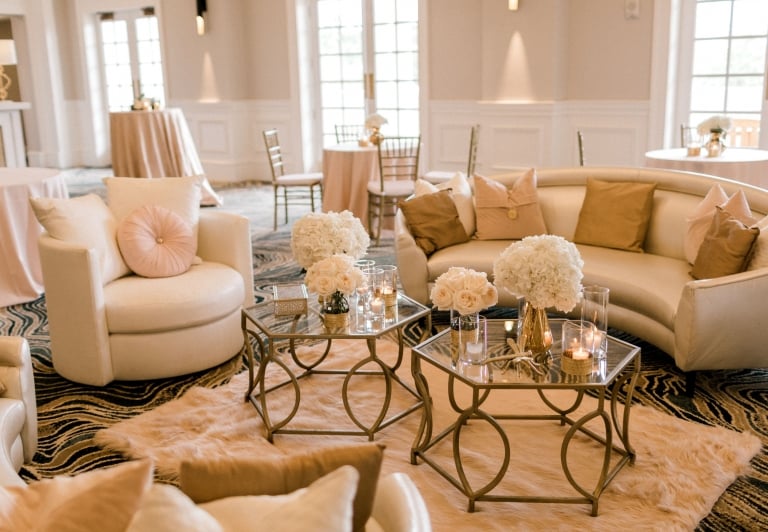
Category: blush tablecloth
[156,144]
[746,165]
[21,277]
[347,169]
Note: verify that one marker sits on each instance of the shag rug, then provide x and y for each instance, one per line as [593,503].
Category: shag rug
[681,468]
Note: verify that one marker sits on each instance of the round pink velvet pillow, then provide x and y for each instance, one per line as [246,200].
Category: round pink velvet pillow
[156,242]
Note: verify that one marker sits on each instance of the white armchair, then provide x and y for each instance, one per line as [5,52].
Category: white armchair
[136,328]
[18,409]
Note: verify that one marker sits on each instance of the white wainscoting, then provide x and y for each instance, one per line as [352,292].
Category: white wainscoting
[520,135]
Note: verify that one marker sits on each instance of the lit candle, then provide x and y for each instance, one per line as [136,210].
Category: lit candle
[508,327]
[547,338]
[474,352]
[377,306]
[579,354]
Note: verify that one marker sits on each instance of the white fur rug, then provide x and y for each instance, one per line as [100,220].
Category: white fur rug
[681,468]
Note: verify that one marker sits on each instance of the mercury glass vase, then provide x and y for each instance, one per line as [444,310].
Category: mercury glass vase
[535,334]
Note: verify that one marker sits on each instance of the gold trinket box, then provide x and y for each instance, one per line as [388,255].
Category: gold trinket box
[290,299]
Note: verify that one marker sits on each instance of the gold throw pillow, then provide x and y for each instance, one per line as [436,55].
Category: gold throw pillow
[726,249]
[433,221]
[508,213]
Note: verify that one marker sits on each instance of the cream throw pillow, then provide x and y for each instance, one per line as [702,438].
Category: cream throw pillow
[700,219]
[323,506]
[87,221]
[615,214]
[508,213]
[166,509]
[760,250]
[461,193]
[726,247]
[103,500]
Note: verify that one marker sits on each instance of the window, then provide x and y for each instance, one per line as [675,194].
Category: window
[728,65]
[131,56]
[368,62]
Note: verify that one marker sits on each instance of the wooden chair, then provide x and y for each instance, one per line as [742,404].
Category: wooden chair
[580,138]
[295,189]
[398,170]
[439,176]
[348,133]
[744,133]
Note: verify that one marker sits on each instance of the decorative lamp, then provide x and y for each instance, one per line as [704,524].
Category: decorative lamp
[7,57]
[202,10]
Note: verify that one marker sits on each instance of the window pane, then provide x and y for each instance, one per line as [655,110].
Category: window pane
[407,10]
[385,38]
[330,69]
[750,17]
[710,57]
[408,66]
[352,66]
[386,94]
[407,37]
[353,94]
[408,95]
[331,94]
[352,40]
[747,56]
[708,94]
[408,123]
[745,93]
[386,67]
[713,19]
[329,42]
[384,10]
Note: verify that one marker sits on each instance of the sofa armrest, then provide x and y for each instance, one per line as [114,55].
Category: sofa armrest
[718,323]
[399,506]
[411,262]
[225,237]
[17,376]
[77,319]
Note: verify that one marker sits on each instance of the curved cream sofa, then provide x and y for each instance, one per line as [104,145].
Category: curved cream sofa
[705,324]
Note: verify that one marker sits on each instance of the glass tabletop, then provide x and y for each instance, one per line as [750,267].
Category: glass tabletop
[311,323]
[526,372]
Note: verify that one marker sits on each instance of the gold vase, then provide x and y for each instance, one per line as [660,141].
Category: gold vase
[375,137]
[535,334]
[336,321]
[715,145]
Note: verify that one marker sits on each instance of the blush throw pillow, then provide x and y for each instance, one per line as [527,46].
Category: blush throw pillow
[697,224]
[508,213]
[615,214]
[433,221]
[461,193]
[104,500]
[726,247]
[156,242]
[87,221]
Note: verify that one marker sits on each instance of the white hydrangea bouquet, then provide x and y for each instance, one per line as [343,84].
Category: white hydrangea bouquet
[463,290]
[717,123]
[545,269]
[319,235]
[333,279]
[375,120]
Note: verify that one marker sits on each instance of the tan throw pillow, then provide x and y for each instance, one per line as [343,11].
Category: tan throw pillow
[461,192]
[433,221]
[726,247]
[760,249]
[156,242]
[213,479]
[508,213]
[87,221]
[104,500]
[700,219]
[3,389]
[615,214]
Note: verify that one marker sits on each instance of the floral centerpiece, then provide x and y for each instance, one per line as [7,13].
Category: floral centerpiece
[333,279]
[547,271]
[716,127]
[463,290]
[373,123]
[319,235]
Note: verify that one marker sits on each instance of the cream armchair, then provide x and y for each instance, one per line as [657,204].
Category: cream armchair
[136,328]
[18,409]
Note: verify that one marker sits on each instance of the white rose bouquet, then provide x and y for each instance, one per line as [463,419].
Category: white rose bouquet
[334,278]
[318,235]
[375,120]
[716,123]
[463,290]
[545,269]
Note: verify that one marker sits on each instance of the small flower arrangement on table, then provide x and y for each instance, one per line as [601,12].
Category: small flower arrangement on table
[319,235]
[464,290]
[717,123]
[373,124]
[333,279]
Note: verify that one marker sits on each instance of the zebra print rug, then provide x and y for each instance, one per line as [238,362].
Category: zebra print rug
[70,414]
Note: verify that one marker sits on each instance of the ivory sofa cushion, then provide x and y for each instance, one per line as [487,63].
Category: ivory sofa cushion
[461,193]
[508,213]
[166,509]
[84,220]
[615,214]
[433,221]
[104,500]
[156,242]
[223,477]
[726,247]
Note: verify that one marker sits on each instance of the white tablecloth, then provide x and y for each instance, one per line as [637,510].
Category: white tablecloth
[21,277]
[740,164]
[156,144]
[347,169]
